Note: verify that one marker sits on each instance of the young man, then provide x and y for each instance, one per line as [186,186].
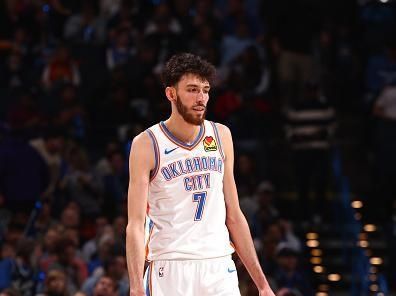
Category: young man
[181,176]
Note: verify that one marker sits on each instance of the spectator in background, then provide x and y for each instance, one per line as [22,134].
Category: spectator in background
[265,212]
[114,113]
[233,45]
[163,31]
[105,249]
[61,69]
[381,86]
[10,292]
[14,72]
[7,257]
[288,292]
[287,275]
[230,100]
[109,7]
[80,183]
[115,268]
[268,244]
[25,114]
[121,51]
[128,17]
[67,260]
[119,225]
[55,284]
[205,44]
[85,27]
[69,113]
[206,14]
[44,220]
[381,70]
[105,287]
[309,129]
[71,215]
[23,271]
[246,174]
[295,24]
[384,111]
[103,166]
[49,148]
[378,20]
[91,246]
[48,247]
[115,185]
[5,217]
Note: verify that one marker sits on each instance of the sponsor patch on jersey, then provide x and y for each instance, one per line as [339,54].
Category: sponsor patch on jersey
[209,144]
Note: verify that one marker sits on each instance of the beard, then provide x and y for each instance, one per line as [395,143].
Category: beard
[188,116]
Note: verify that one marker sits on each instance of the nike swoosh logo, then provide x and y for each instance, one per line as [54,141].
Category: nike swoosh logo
[231,270]
[169,151]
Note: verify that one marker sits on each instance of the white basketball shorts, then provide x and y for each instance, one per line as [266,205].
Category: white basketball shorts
[207,277]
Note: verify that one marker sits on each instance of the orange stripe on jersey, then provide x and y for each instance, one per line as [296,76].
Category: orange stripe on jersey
[232,245]
[148,240]
[217,136]
[150,278]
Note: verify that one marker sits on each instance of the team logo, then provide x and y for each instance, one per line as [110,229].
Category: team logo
[161,272]
[209,144]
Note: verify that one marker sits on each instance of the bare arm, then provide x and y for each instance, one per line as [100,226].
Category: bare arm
[141,161]
[236,221]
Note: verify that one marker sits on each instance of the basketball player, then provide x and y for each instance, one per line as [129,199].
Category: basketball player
[181,177]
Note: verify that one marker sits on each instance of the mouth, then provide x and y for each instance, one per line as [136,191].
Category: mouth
[199,109]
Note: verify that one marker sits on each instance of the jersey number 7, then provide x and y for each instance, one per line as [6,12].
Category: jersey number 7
[200,198]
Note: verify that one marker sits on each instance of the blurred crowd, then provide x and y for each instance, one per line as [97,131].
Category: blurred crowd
[79,79]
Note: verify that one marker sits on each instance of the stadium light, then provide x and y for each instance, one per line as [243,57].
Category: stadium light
[370,228]
[312,235]
[312,243]
[318,269]
[376,261]
[316,252]
[334,277]
[357,204]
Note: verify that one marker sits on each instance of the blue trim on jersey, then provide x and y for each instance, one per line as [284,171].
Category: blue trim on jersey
[153,173]
[218,139]
[181,143]
[148,281]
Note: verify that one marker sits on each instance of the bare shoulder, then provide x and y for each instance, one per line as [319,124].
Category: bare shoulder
[223,129]
[142,140]
[224,132]
[142,152]
[226,140]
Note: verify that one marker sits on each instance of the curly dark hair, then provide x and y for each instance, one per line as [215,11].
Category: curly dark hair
[186,63]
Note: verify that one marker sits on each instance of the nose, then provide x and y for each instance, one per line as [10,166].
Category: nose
[200,96]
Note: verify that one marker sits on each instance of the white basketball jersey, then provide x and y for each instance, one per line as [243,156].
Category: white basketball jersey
[186,206]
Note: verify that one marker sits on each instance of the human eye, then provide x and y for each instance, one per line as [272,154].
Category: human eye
[193,89]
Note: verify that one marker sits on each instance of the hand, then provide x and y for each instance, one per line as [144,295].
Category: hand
[266,292]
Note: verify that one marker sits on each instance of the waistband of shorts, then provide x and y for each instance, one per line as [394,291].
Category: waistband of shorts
[203,260]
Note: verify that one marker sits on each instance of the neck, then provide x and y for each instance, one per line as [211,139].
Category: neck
[181,129]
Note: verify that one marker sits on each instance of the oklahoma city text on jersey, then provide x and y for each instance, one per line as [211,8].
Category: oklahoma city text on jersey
[193,165]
